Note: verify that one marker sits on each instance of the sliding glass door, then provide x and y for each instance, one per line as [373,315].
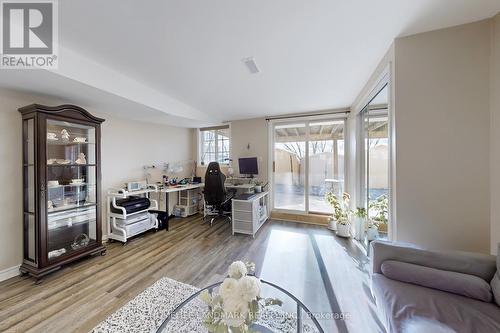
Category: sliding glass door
[308,163]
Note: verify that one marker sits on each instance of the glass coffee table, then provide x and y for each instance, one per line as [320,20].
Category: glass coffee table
[292,316]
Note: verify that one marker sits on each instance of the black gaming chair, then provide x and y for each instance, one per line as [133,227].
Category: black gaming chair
[215,192]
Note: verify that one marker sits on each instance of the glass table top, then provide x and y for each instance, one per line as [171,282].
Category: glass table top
[291,316]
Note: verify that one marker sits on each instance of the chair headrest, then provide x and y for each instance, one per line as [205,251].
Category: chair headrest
[213,168]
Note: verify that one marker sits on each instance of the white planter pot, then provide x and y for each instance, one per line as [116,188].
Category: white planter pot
[344,230]
[372,233]
[332,224]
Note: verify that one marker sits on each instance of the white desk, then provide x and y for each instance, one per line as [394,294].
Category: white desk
[248,188]
[177,188]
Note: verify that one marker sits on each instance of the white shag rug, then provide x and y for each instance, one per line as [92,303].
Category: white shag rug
[146,312]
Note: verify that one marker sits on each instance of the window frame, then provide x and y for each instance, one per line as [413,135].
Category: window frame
[201,142]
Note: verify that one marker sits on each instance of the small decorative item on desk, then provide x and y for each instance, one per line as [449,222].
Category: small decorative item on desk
[184,181]
[237,306]
[64,135]
[81,159]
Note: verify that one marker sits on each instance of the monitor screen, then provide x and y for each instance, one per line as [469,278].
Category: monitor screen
[248,166]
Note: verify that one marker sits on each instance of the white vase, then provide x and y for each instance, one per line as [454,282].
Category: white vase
[332,224]
[344,230]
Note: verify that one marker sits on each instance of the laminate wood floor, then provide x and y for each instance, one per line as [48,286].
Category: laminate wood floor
[327,273]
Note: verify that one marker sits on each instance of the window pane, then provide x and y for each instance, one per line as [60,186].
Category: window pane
[214,146]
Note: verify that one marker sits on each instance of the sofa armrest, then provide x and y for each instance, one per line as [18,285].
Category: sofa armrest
[481,265]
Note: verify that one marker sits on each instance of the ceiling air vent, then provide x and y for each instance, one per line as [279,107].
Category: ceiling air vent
[251,65]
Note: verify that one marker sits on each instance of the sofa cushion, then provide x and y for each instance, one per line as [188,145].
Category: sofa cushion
[495,287]
[399,303]
[453,282]
[495,283]
[480,265]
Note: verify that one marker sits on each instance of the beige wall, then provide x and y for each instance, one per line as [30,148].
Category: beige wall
[126,147]
[442,121]
[495,133]
[11,238]
[251,132]
[129,145]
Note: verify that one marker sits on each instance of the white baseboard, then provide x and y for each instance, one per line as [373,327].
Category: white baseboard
[9,273]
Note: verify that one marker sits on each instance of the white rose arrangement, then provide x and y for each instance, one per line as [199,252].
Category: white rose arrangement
[237,305]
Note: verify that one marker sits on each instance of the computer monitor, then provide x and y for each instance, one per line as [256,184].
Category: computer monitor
[248,166]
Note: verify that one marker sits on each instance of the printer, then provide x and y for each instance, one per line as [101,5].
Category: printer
[133,224]
[131,205]
[136,224]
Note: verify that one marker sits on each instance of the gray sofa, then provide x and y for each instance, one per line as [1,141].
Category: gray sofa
[419,290]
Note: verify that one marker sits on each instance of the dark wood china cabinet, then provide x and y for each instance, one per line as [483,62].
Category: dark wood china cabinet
[61,186]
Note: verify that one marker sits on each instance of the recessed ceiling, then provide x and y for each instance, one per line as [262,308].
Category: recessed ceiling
[313,55]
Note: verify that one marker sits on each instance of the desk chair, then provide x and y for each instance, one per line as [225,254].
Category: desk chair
[215,193]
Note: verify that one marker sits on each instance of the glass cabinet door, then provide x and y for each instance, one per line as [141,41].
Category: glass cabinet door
[29,190]
[71,187]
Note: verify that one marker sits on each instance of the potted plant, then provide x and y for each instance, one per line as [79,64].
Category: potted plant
[380,207]
[360,216]
[372,230]
[258,186]
[341,213]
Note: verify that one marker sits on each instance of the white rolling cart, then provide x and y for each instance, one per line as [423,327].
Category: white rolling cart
[122,225]
[250,214]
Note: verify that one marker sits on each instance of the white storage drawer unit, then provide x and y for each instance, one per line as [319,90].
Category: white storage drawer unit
[249,215]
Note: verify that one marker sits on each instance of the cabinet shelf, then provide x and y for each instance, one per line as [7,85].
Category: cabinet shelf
[69,207]
[70,165]
[71,185]
[66,143]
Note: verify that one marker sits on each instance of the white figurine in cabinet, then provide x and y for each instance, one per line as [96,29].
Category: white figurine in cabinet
[64,135]
[81,159]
